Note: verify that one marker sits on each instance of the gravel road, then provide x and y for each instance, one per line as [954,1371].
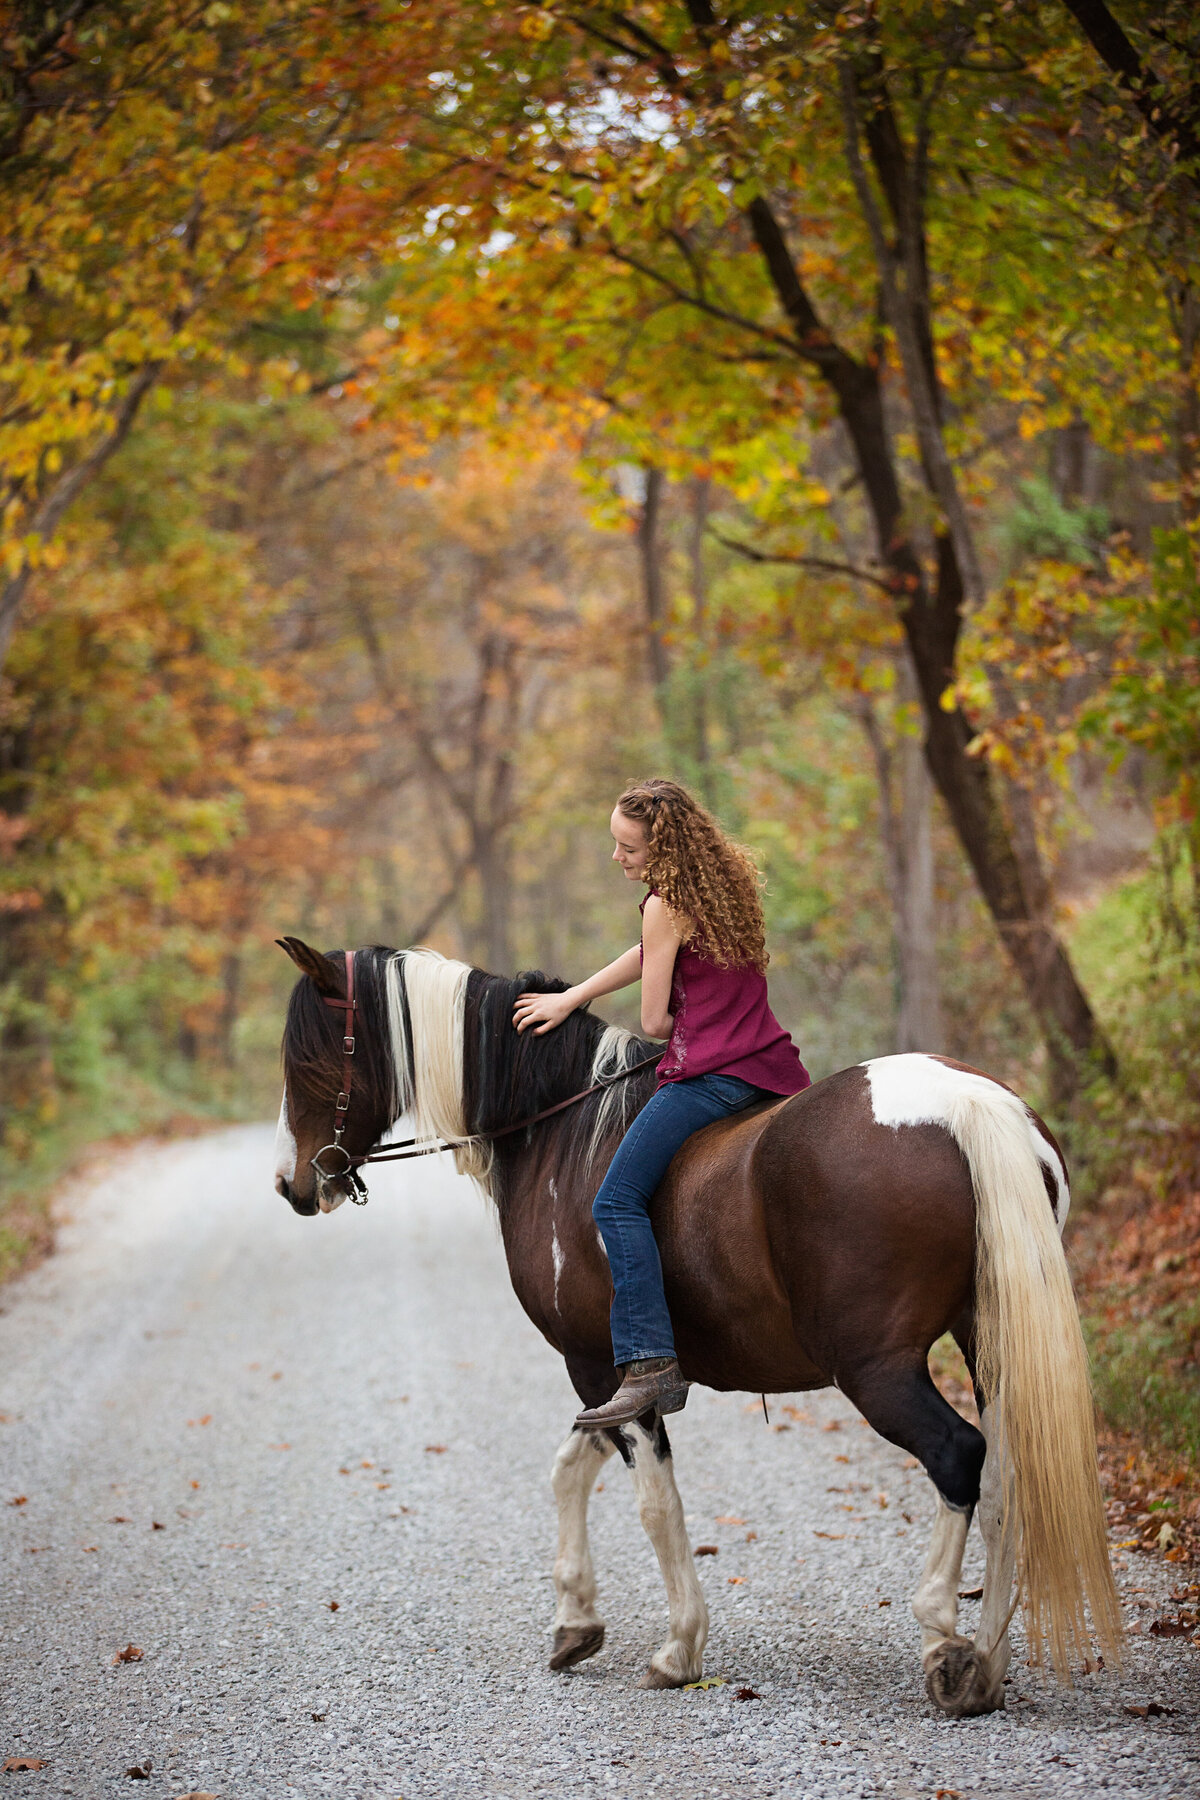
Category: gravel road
[302,1466]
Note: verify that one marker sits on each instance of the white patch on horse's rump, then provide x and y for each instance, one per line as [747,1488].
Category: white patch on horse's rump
[285,1144]
[915,1089]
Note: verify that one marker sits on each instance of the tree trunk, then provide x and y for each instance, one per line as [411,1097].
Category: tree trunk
[906,822]
[1187,312]
[494,868]
[231,983]
[698,506]
[931,622]
[653,590]
[919,1015]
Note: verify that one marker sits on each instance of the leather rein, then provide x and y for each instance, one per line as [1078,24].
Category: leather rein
[410,1147]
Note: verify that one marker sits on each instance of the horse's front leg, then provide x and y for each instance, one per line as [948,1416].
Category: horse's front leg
[648,1453]
[578,1628]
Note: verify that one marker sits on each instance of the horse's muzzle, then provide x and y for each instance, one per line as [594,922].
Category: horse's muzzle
[308,1208]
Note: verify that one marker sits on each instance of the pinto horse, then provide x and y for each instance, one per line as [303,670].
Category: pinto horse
[826,1239]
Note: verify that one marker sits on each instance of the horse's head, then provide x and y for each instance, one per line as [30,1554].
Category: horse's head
[314,1067]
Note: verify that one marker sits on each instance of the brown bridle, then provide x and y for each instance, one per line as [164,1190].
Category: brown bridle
[410,1147]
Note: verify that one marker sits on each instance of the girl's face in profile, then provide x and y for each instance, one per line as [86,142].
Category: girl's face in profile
[629,837]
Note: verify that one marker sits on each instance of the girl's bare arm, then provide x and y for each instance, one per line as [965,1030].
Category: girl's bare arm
[543,1012]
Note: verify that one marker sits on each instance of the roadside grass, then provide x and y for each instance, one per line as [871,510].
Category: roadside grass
[117,1106]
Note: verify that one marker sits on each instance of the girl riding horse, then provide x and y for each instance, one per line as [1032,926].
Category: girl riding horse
[701,963]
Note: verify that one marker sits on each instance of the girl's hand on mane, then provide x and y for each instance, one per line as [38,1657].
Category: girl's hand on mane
[543,1011]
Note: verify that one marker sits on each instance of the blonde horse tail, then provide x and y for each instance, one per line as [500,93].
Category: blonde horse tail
[1032,1366]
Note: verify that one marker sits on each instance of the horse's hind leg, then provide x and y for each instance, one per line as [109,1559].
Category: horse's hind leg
[899,1399]
[578,1628]
[681,1657]
[997,1522]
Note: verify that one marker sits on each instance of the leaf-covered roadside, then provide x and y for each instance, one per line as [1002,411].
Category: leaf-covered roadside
[1136,1255]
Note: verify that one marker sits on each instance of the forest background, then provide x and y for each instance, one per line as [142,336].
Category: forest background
[416,419]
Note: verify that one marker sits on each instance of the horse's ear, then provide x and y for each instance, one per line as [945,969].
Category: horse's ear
[310,962]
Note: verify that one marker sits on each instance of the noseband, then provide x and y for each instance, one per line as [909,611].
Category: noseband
[410,1147]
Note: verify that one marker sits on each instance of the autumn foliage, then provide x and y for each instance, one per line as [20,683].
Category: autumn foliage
[418,419]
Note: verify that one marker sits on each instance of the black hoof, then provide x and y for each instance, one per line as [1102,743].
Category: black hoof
[574,1644]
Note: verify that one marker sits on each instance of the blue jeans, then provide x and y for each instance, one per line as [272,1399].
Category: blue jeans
[641,1324]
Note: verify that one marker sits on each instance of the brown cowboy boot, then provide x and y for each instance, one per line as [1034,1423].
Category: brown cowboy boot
[656,1383]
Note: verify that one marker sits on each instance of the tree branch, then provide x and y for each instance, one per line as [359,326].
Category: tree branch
[49,514]
[820,564]
[1142,85]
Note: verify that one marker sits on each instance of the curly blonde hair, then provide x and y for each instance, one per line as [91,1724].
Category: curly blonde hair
[706,880]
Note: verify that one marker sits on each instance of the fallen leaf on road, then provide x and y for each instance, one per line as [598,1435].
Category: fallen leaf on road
[119,1519]
[16,1765]
[318,1718]
[735,1580]
[20,1500]
[752,1537]
[781,1428]
[707,1550]
[1152,1711]
[279,1446]
[884,1603]
[194,1484]
[1183,1626]
[830,1534]
[702,1686]
[206,1420]
[333,1605]
[155,1526]
[729,1519]
[89,1549]
[833,1425]
[436,1449]
[844,1459]
[970,1593]
[140,1771]
[1129,1544]
[747,1693]
[130,1653]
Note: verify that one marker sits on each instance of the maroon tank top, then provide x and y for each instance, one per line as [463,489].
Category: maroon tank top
[724,1026]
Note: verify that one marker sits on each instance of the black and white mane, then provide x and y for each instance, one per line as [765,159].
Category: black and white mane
[436,1042]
